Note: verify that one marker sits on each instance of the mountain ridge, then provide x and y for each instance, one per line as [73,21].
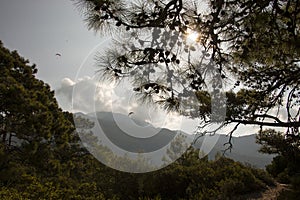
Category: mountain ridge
[128,134]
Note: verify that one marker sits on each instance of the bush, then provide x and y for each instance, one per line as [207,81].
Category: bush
[262,175]
[295,182]
[278,165]
[283,177]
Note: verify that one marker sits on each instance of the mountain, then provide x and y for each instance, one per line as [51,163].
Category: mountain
[138,136]
[244,150]
[130,134]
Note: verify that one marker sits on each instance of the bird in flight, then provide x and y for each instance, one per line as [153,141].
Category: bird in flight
[130,113]
[58,54]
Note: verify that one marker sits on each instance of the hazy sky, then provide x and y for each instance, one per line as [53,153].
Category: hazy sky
[39,29]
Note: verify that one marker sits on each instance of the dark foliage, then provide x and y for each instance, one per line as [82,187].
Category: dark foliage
[252,47]
[41,156]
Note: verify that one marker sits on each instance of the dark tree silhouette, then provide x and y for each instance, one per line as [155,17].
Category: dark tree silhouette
[285,166]
[34,131]
[175,52]
[41,157]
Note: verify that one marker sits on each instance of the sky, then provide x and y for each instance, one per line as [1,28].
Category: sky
[39,29]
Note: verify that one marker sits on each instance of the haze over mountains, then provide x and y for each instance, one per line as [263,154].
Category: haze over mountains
[244,150]
[133,135]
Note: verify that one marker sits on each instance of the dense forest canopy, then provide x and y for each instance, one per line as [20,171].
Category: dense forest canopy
[244,55]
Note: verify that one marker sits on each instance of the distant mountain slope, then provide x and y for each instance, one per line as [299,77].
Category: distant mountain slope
[137,136]
[244,150]
[130,134]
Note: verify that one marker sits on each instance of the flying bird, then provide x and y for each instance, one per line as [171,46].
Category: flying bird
[130,113]
[58,54]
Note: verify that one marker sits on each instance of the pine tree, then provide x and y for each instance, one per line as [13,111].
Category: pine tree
[252,47]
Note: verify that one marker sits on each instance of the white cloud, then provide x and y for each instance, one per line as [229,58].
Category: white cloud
[88,95]
[67,82]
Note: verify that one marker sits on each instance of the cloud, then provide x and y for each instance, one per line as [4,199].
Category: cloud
[67,82]
[64,94]
[83,95]
[88,95]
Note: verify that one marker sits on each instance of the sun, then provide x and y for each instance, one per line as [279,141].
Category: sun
[192,36]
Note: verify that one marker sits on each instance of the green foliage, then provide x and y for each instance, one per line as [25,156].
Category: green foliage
[293,192]
[285,166]
[264,177]
[277,166]
[39,150]
[204,179]
[41,156]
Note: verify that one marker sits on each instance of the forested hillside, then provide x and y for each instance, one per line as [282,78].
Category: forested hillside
[41,156]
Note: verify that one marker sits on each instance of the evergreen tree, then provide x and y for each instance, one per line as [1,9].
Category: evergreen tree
[252,47]
[40,152]
[286,163]
[285,166]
